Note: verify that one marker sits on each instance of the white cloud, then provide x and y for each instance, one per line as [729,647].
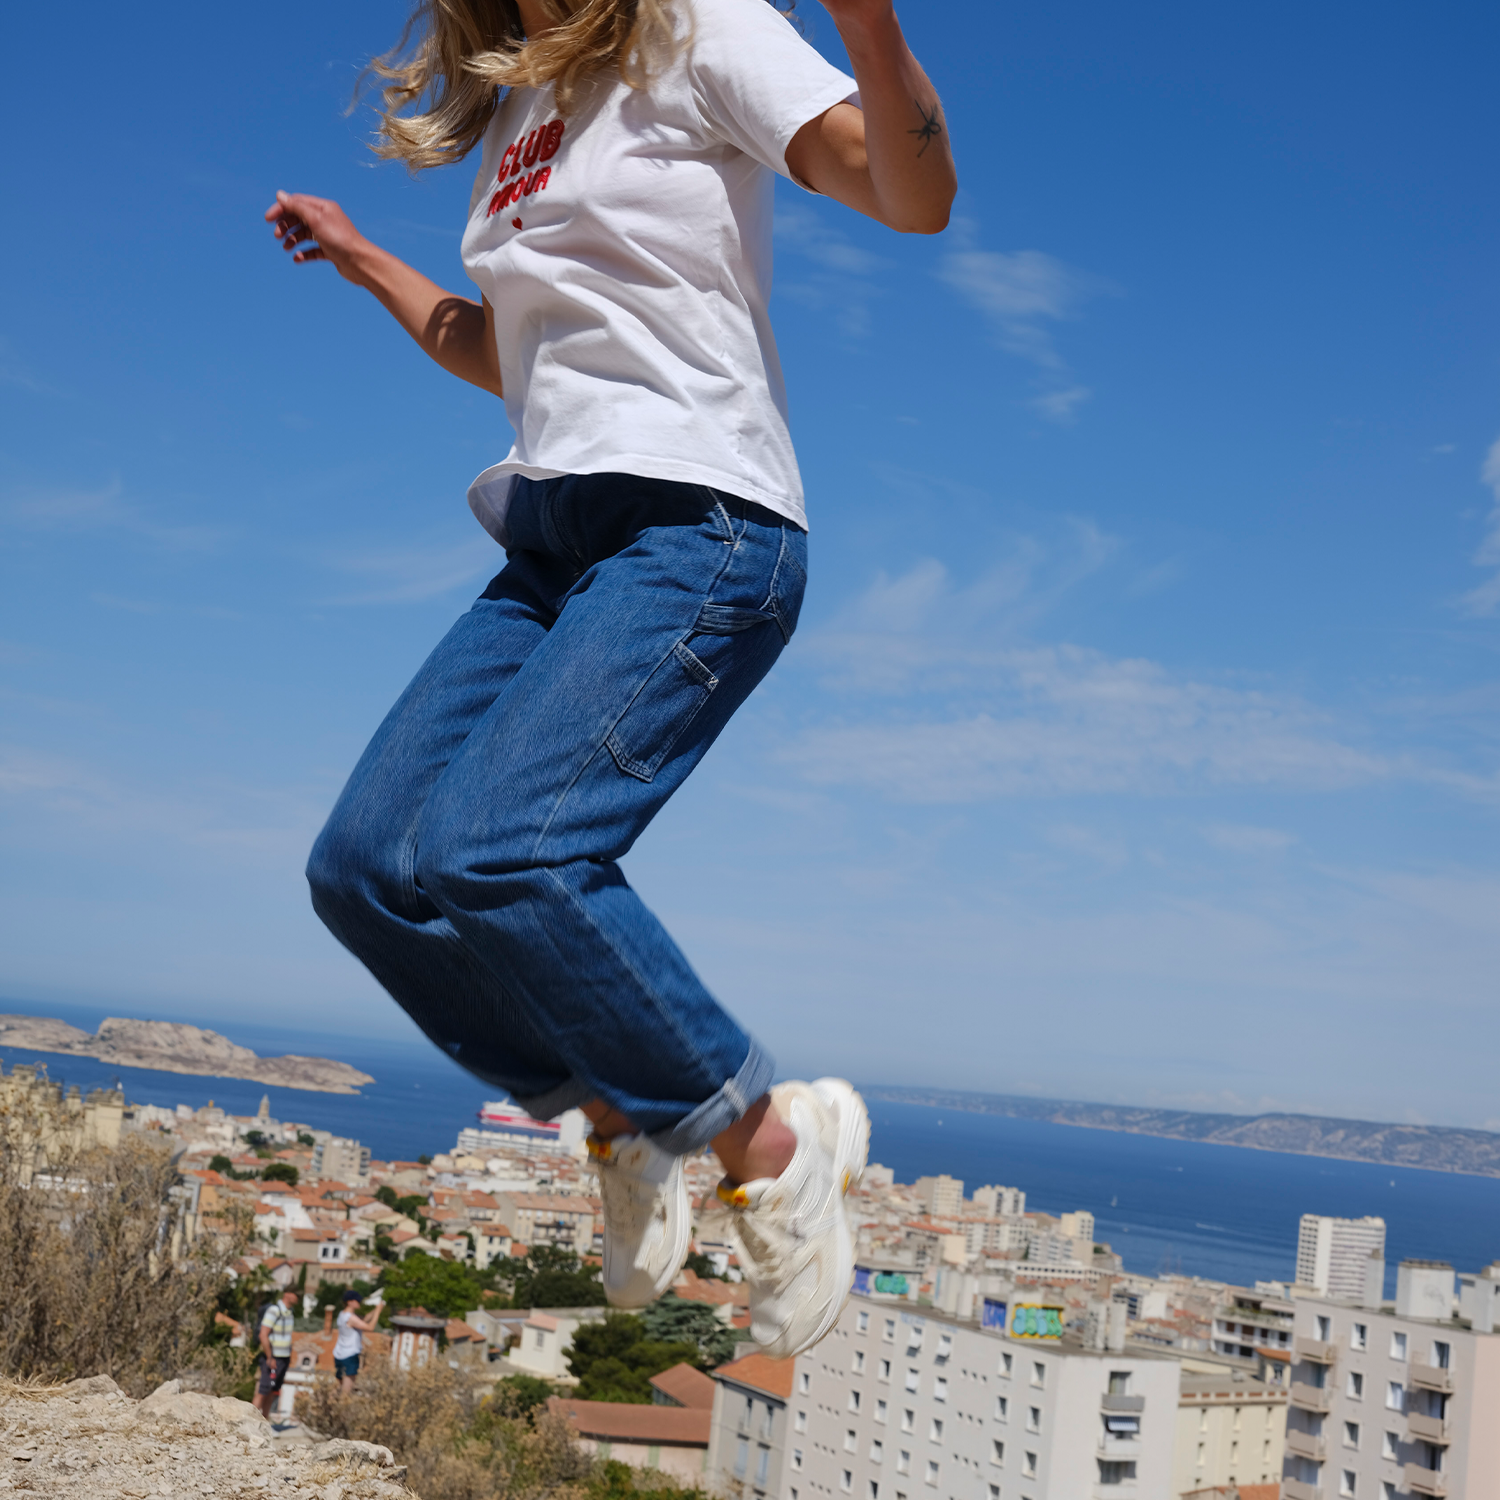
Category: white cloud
[1023,293]
[403,575]
[1485,600]
[73,510]
[839,277]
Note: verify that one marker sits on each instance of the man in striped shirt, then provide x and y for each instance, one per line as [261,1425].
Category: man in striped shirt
[275,1350]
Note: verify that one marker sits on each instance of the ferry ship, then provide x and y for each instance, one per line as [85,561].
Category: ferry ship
[504,1118]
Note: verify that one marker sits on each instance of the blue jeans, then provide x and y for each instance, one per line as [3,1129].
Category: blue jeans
[471,861]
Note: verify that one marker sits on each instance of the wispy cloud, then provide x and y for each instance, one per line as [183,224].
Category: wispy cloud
[936,699]
[1023,294]
[837,275]
[72,510]
[1485,600]
[402,575]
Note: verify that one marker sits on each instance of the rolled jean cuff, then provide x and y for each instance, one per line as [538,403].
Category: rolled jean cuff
[567,1095]
[719,1111]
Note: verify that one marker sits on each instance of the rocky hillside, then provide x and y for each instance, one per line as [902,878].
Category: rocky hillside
[89,1439]
[1437,1148]
[172,1047]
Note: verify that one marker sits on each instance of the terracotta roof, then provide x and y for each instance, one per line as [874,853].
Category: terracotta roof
[541,1320]
[762,1372]
[458,1329]
[635,1422]
[686,1386]
[693,1288]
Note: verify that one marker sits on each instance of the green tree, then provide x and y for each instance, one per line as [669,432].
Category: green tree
[279,1171]
[674,1320]
[522,1394]
[702,1267]
[614,1360]
[612,1480]
[446,1288]
[551,1276]
[221,1164]
[330,1294]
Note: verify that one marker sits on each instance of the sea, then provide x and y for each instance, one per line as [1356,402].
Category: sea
[1223,1212]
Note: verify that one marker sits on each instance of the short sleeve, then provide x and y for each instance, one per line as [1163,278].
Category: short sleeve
[268,1318]
[756,80]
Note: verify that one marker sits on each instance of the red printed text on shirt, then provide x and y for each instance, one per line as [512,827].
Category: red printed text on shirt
[516,178]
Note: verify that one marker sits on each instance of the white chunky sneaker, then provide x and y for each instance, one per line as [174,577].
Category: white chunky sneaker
[794,1230]
[647,1218]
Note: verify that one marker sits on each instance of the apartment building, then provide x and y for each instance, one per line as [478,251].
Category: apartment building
[943,1196]
[1335,1256]
[336,1158]
[1390,1402]
[1231,1429]
[747,1443]
[999,1202]
[550,1219]
[909,1404]
[1251,1324]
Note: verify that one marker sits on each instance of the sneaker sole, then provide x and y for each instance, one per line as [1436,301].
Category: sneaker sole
[622,1299]
[851,1149]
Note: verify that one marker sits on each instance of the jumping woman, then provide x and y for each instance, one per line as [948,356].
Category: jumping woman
[651,514]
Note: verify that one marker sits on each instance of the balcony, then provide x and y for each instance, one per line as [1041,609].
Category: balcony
[1127,1489]
[1311,1397]
[1315,1351]
[1422,1481]
[1427,1429]
[1122,1403]
[1306,1445]
[1295,1489]
[1431,1378]
[1116,1448]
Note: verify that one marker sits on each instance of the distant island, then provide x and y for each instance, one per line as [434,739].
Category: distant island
[1434,1148]
[171,1047]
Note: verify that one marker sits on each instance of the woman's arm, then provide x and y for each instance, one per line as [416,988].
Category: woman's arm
[457,333]
[890,158]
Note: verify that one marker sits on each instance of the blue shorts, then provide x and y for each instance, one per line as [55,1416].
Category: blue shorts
[346,1369]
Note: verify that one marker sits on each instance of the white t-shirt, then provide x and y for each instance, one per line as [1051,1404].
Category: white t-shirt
[350,1340]
[626,251]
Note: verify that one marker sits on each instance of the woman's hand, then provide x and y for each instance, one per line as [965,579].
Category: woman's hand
[316,229]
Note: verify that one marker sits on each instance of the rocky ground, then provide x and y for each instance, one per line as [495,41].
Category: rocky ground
[89,1441]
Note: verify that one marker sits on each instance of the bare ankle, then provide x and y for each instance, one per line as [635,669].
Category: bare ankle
[607,1121]
[759,1144]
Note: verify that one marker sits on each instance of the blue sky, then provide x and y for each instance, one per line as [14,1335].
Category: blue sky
[1141,739]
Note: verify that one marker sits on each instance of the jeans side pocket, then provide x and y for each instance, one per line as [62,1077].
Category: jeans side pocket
[789,581]
[667,703]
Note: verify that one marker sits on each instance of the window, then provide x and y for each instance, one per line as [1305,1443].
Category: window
[853,1400]
[766,1420]
[1395,1396]
[741,1458]
[1039,1375]
[908,1418]
[945,1346]
[1002,1409]
[801,1421]
[797,1458]
[903,1462]
[1028,1465]
[1359,1336]
[1388,1441]
[939,1389]
[1033,1419]
[885,1369]
[1355,1386]
[862,1322]
[1346,1482]
[1116,1470]
[846,1481]
[877,1452]
[890,1330]
[912,1377]
[762,1465]
[804,1383]
[748,1414]
[997,1451]
[793,1492]
[858,1365]
[1389,1491]
[936,1435]
[874,1491]
[1005,1364]
[932,1471]
[1441,1354]
[1119,1382]
[1351,1434]
[851,1441]
[1398,1346]
[1325,1328]
[541,1339]
[994,1492]
[880,1411]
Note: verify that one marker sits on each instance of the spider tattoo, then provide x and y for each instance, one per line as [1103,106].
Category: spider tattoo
[930,128]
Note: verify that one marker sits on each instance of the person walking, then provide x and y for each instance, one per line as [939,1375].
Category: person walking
[652,516]
[350,1343]
[275,1333]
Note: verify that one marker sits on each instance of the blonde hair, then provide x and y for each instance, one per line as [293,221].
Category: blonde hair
[455,57]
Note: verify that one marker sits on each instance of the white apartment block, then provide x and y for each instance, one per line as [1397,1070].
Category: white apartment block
[1335,1255]
[1231,1430]
[1391,1402]
[909,1404]
[999,1202]
[942,1196]
[338,1159]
